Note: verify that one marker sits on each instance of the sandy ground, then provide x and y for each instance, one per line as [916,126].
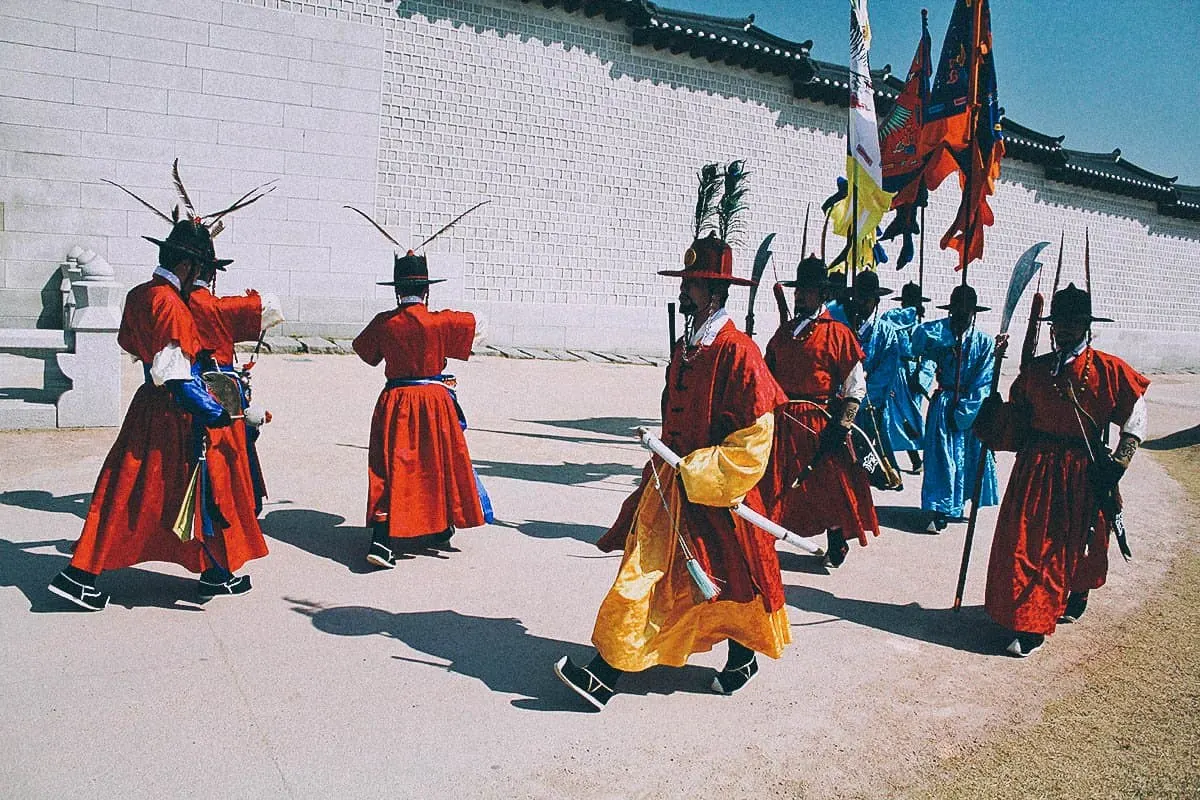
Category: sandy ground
[434,679]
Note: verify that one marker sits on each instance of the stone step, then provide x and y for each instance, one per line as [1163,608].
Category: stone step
[20,414]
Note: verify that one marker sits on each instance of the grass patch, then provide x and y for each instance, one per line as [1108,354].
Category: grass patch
[1132,729]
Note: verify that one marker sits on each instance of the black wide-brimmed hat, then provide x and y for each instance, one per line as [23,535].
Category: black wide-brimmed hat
[964,300]
[911,294]
[810,274]
[192,239]
[410,270]
[1072,303]
[709,258]
[866,284]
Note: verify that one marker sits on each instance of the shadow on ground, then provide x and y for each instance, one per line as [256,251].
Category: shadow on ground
[321,534]
[539,529]
[969,629]
[613,426]
[1176,440]
[30,572]
[500,652]
[904,518]
[565,474]
[38,500]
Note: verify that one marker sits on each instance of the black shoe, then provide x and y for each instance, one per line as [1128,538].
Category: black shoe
[915,459]
[441,541]
[730,680]
[1076,605]
[236,584]
[1025,644]
[80,594]
[836,552]
[939,522]
[381,555]
[583,683]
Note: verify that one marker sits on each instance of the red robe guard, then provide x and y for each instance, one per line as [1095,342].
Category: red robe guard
[420,477]
[143,482]
[221,323]
[815,362]
[1051,533]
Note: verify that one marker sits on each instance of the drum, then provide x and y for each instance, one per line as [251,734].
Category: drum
[227,390]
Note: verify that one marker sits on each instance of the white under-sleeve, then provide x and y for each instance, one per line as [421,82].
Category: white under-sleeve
[1139,420]
[170,364]
[855,385]
[272,313]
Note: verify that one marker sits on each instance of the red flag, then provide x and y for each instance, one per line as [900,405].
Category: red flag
[900,132]
[945,128]
[979,162]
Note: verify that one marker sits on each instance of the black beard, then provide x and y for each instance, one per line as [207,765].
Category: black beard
[686,306]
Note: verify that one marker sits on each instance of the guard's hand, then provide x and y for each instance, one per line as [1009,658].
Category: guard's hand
[991,405]
[833,438]
[223,421]
[1105,473]
[256,416]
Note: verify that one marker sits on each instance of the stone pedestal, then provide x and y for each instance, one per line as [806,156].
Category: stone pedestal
[94,363]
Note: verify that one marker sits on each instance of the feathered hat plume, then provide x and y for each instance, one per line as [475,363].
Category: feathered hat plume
[729,211]
[710,181]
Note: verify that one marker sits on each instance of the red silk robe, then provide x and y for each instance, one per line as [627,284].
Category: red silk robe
[420,479]
[1042,549]
[811,368]
[724,387]
[222,322]
[142,483]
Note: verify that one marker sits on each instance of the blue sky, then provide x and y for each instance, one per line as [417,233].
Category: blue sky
[1104,73]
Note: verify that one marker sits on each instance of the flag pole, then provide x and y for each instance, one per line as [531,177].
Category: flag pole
[921,253]
[852,272]
[972,134]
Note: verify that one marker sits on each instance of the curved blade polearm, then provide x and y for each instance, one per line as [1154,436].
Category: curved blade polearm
[762,257]
[1027,266]
[760,265]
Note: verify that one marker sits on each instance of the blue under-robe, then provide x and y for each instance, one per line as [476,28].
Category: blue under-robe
[905,413]
[951,448]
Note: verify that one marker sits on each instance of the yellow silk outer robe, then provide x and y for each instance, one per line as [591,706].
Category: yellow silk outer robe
[718,414]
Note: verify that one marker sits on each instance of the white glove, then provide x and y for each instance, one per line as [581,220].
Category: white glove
[256,415]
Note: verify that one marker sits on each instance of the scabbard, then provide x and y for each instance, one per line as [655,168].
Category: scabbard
[656,446]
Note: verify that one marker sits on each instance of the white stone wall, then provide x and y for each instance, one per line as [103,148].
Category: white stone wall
[586,145]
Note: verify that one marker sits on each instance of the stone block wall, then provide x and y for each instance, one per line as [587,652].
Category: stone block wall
[586,145]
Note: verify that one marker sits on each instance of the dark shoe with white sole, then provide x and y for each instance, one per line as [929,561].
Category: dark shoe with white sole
[1025,644]
[583,683]
[1076,605]
[381,555]
[835,554]
[235,584]
[729,680]
[81,594]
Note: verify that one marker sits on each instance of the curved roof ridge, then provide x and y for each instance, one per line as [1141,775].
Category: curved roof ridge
[741,22]
[738,42]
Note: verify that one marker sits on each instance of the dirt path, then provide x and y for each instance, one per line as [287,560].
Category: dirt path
[433,680]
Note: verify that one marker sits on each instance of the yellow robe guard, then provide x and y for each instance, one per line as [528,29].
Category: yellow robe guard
[652,614]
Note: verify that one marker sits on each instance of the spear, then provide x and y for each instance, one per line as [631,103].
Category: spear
[1023,272]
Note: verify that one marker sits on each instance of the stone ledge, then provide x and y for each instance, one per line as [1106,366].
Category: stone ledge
[315,344]
[321,345]
[20,415]
[33,339]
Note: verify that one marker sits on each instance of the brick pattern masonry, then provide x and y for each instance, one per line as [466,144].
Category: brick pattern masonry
[586,144]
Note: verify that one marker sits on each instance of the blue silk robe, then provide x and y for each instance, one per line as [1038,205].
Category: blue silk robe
[951,448]
[905,410]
